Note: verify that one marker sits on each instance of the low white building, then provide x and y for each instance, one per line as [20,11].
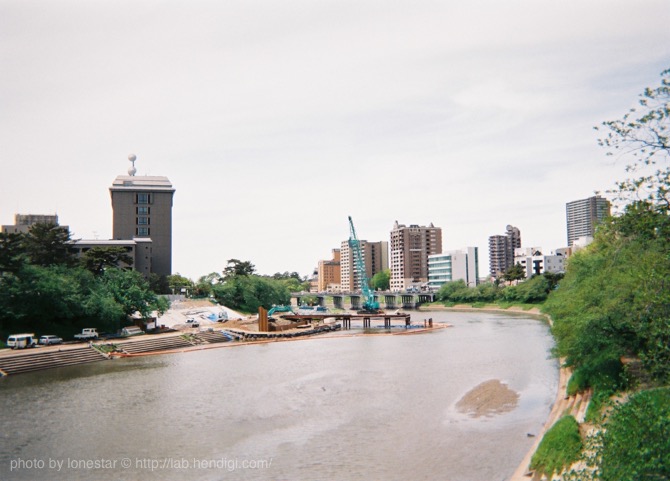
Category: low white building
[535,262]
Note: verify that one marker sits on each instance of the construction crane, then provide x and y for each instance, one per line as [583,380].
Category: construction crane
[369,305]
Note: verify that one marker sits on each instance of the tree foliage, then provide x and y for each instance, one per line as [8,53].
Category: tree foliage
[177,282]
[240,288]
[643,136]
[636,442]
[615,298]
[533,290]
[249,292]
[236,268]
[515,273]
[43,289]
[47,244]
[559,448]
[381,280]
[99,258]
[12,253]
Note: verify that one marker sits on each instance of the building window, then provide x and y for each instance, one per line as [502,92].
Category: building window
[143,210]
[142,231]
[143,221]
[143,198]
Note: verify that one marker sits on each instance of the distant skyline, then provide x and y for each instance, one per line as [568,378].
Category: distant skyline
[274,121]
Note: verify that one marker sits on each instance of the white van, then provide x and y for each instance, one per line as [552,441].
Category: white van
[21,341]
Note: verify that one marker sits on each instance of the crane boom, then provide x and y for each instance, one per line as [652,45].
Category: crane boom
[369,304]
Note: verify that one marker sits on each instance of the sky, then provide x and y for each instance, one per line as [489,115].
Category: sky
[275,121]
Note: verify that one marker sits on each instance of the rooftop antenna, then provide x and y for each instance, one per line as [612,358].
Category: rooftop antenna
[132,171]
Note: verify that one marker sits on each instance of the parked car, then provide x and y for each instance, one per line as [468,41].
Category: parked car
[21,341]
[50,339]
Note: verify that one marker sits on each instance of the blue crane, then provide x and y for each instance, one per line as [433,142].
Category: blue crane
[369,304]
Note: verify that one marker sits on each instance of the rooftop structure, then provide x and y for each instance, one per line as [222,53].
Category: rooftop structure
[23,222]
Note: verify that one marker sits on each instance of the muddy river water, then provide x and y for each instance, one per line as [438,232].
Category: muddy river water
[456,404]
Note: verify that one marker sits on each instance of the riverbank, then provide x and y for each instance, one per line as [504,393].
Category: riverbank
[533,311]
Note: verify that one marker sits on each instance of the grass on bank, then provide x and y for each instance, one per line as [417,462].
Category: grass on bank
[482,305]
[560,447]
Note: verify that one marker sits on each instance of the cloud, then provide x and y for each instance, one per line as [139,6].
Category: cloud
[276,120]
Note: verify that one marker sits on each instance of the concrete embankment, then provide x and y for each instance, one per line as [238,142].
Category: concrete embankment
[14,362]
[17,362]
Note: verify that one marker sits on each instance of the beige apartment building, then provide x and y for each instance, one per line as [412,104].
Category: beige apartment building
[375,259]
[410,248]
[23,223]
[329,274]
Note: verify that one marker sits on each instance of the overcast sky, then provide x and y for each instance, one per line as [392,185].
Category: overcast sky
[275,120]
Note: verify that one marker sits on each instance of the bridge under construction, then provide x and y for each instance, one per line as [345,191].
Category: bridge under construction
[347,319]
[386,300]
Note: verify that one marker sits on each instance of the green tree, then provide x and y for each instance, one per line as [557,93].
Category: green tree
[448,289]
[636,441]
[287,275]
[292,281]
[614,299]
[488,291]
[237,267]
[643,136]
[532,290]
[44,294]
[204,286]
[97,259]
[132,292]
[12,253]
[249,292]
[515,273]
[178,282]
[381,281]
[48,244]
[158,283]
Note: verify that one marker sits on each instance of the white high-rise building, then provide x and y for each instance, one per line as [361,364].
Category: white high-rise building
[583,215]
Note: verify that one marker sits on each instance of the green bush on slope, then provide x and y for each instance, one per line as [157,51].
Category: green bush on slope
[560,447]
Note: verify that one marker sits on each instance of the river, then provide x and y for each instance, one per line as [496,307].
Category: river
[359,407]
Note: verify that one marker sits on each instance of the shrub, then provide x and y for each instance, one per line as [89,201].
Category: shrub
[636,441]
[560,447]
